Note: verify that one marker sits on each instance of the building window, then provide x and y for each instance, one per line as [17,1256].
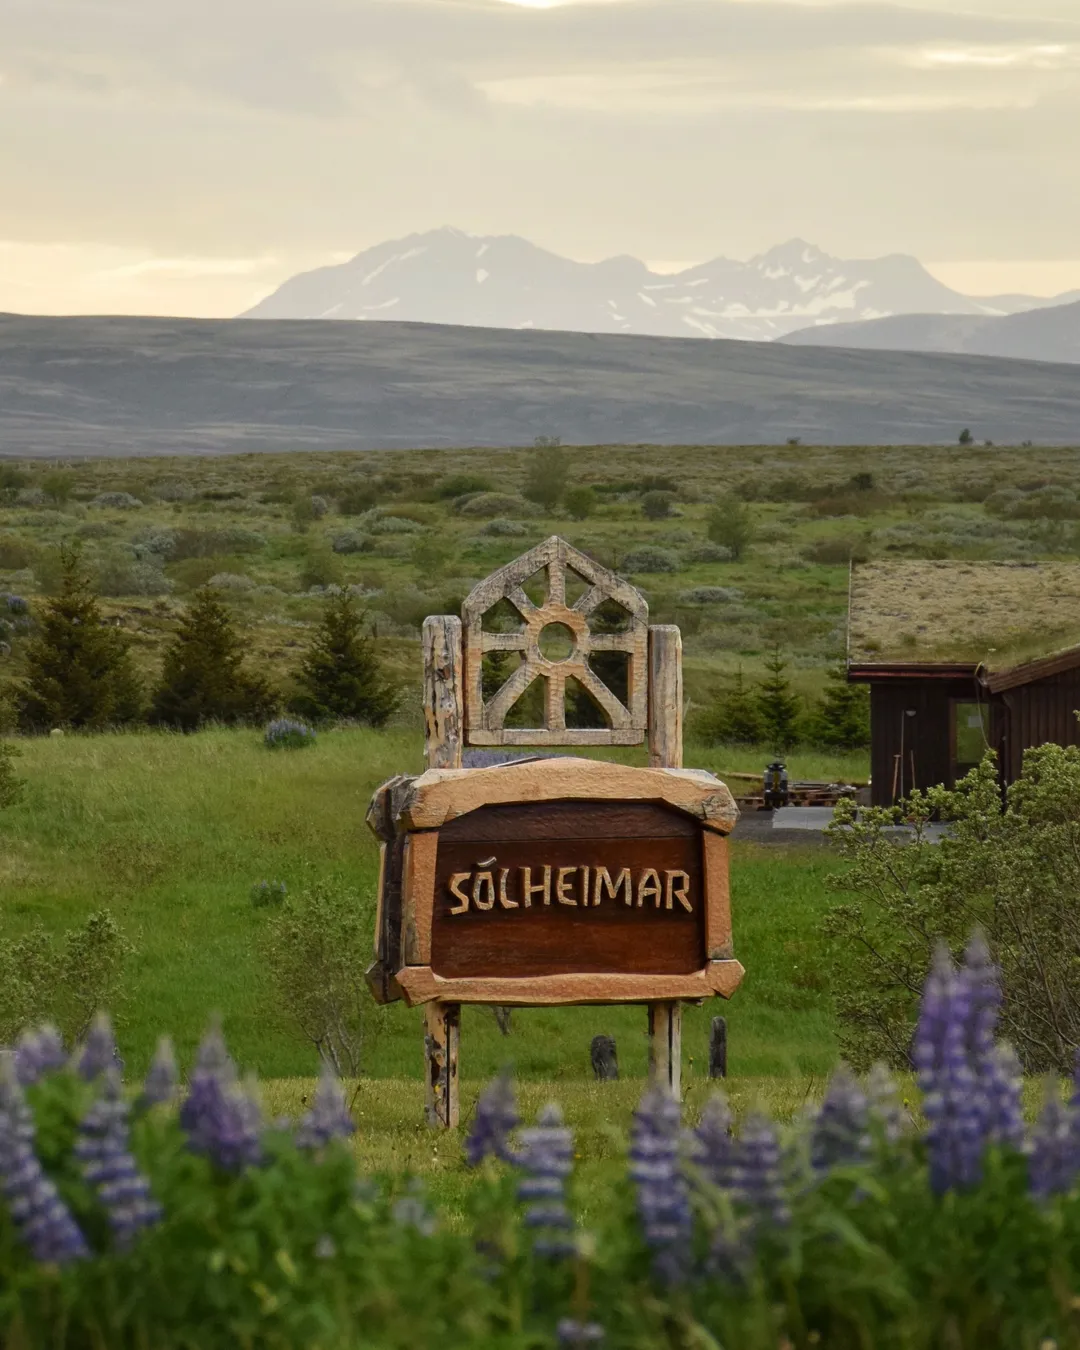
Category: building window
[970,737]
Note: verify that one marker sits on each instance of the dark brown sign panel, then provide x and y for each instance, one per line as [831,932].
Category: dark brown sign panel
[550,888]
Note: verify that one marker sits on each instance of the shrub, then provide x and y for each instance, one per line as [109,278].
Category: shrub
[580,502]
[649,558]
[352,541]
[711,553]
[195,543]
[658,482]
[173,490]
[730,526]
[58,486]
[340,675]
[317,949]
[657,505]
[11,785]
[119,574]
[500,528]
[78,669]
[394,525]
[1015,871]
[16,553]
[493,504]
[837,551]
[204,678]
[319,506]
[230,581]
[546,474]
[462,485]
[842,721]
[733,718]
[285,734]
[266,893]
[320,568]
[122,501]
[777,705]
[710,595]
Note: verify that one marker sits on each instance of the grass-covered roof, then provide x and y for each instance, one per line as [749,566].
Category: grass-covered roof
[998,613]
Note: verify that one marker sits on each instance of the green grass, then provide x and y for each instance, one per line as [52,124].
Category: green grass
[171,832]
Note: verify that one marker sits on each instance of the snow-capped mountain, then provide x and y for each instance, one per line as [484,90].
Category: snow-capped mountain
[450,277]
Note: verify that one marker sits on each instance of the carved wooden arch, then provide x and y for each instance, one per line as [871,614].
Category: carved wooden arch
[485,721]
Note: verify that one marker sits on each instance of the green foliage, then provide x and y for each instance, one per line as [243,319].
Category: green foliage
[778,705]
[1014,871]
[204,678]
[340,676]
[321,567]
[842,721]
[966,438]
[66,982]
[657,504]
[546,476]
[731,525]
[316,949]
[11,785]
[78,670]
[59,486]
[580,502]
[461,484]
[733,718]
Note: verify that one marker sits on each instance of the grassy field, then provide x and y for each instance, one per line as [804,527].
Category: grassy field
[421,543]
[171,832]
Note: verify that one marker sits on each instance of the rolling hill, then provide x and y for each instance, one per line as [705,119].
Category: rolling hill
[141,386]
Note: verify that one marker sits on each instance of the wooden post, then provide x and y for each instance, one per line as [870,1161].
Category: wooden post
[665,752]
[444,692]
[718,1048]
[665,1046]
[604,1058]
[665,697]
[442,1034]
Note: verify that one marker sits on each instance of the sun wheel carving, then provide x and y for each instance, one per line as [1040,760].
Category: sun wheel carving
[579,622]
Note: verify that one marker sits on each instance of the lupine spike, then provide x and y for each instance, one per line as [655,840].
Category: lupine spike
[107,1163]
[713,1144]
[42,1219]
[162,1076]
[38,1053]
[99,1051]
[840,1133]
[496,1116]
[662,1198]
[1003,1085]
[222,1118]
[546,1158]
[760,1176]
[1053,1162]
[883,1099]
[329,1116]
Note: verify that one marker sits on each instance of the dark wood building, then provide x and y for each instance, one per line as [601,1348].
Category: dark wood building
[951,652]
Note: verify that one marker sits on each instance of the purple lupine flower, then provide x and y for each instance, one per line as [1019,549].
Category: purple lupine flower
[102,1147]
[953,1100]
[840,1133]
[221,1117]
[496,1116]
[883,1101]
[546,1158]
[38,1053]
[42,1219]
[984,984]
[574,1334]
[760,1180]
[1002,1087]
[161,1079]
[329,1115]
[99,1051]
[712,1144]
[411,1211]
[662,1199]
[1053,1161]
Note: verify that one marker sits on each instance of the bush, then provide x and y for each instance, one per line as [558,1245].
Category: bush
[118,574]
[493,504]
[711,553]
[317,949]
[230,581]
[173,490]
[16,553]
[194,543]
[462,485]
[340,675]
[11,785]
[580,502]
[710,595]
[267,893]
[500,528]
[352,541]
[658,505]
[730,525]
[122,501]
[285,734]
[837,551]
[733,718]
[204,678]
[58,486]
[320,568]
[649,558]
[78,669]
[1014,871]
[547,473]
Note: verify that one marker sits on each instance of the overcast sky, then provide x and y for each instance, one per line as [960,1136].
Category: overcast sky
[183,156]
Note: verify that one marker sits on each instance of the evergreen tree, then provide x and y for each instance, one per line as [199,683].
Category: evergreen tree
[734,719]
[778,705]
[203,677]
[78,669]
[843,720]
[340,676]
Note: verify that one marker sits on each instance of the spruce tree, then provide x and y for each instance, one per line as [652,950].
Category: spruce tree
[734,719]
[79,671]
[340,675]
[203,678]
[778,705]
[843,720]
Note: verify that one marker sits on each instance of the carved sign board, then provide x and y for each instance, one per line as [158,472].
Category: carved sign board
[554,881]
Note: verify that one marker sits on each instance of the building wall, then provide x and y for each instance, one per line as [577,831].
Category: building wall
[1036,713]
[926,736]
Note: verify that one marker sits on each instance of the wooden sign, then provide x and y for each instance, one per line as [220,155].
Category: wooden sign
[552,880]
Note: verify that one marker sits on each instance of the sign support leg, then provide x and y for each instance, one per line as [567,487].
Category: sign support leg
[442,1033]
[665,1046]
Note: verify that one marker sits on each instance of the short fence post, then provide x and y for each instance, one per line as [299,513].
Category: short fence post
[605,1060]
[665,1046]
[444,692]
[442,1033]
[718,1048]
